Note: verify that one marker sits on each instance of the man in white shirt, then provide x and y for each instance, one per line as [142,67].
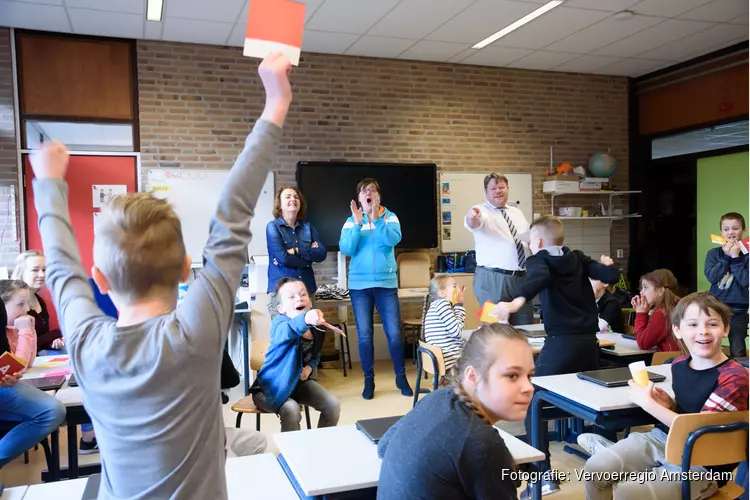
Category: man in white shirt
[501,255]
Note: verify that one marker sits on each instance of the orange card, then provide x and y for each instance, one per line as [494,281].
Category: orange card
[274,26]
[485,313]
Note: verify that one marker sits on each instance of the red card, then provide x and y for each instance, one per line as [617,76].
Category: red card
[10,364]
[274,26]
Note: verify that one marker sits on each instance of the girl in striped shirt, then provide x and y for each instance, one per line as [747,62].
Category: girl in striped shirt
[444,320]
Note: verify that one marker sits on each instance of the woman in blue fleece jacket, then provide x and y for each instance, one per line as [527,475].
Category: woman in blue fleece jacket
[286,379]
[369,237]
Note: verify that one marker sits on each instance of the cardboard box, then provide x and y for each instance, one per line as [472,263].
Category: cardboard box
[559,187]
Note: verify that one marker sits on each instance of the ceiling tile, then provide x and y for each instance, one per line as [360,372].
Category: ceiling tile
[718,10]
[98,22]
[237,37]
[349,16]
[479,21]
[47,2]
[740,20]
[633,67]
[327,43]
[699,42]
[653,37]
[418,18]
[603,33]
[427,50]
[190,30]
[542,60]
[667,8]
[551,27]
[34,16]
[312,6]
[202,10]
[496,56]
[126,6]
[586,64]
[153,30]
[605,5]
[376,46]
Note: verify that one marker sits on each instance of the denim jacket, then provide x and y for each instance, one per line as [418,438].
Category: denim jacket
[280,238]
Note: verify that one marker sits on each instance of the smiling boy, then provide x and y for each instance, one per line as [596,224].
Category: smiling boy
[703,381]
[727,269]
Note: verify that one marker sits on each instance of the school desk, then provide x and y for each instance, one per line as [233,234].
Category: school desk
[16,493]
[335,460]
[536,346]
[607,407]
[626,351]
[257,477]
[61,490]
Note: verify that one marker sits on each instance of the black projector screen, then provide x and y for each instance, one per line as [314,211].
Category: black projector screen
[408,190]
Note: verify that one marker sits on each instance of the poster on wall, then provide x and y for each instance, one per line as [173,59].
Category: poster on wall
[102,193]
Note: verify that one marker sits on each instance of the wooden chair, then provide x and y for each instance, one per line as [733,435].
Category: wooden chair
[709,439]
[413,272]
[659,358]
[258,351]
[629,330]
[430,359]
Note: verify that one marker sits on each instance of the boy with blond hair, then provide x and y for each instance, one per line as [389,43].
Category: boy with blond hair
[560,277]
[150,378]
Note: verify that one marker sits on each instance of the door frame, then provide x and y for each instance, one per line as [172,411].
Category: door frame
[22,181]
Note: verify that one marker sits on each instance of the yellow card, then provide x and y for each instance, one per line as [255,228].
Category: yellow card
[486,310]
[718,240]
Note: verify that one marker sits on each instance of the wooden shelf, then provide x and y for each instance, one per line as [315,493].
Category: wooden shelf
[608,217]
[600,193]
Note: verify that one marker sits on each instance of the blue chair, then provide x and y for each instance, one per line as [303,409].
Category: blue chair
[709,439]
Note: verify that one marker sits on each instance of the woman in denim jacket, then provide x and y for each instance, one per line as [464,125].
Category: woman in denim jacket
[293,244]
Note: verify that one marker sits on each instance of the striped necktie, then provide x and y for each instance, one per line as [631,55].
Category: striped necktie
[519,246]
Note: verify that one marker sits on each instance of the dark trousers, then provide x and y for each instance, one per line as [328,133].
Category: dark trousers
[563,354]
[738,333]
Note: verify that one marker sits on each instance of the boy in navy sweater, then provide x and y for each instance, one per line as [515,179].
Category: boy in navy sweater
[727,269]
[560,277]
[286,379]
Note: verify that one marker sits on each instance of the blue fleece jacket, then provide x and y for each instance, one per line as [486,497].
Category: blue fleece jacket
[728,278]
[370,246]
[279,375]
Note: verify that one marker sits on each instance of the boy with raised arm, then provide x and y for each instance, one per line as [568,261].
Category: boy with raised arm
[150,378]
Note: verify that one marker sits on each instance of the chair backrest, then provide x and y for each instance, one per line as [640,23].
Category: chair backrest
[427,362]
[258,351]
[629,330]
[710,449]
[414,270]
[660,357]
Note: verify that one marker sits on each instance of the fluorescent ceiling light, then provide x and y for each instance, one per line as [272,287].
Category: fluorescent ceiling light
[154,9]
[512,27]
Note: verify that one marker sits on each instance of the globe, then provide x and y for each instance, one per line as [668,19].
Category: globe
[602,165]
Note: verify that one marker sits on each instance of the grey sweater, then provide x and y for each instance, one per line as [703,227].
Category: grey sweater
[441,450]
[152,390]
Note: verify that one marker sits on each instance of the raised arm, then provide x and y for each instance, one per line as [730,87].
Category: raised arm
[71,292]
[389,230]
[207,310]
[349,239]
[473,219]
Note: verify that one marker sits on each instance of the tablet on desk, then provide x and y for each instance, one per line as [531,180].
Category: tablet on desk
[534,334]
[375,428]
[45,383]
[615,377]
[628,336]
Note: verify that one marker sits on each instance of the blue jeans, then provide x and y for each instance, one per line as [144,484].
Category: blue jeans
[38,414]
[386,301]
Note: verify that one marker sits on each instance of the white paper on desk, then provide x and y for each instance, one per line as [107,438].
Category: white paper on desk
[257,274]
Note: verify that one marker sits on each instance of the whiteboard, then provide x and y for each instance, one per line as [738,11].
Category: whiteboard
[464,190]
[194,195]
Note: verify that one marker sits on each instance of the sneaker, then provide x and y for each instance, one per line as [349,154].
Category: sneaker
[549,487]
[88,447]
[369,390]
[592,443]
[403,385]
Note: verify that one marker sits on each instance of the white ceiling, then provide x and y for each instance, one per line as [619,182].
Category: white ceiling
[579,36]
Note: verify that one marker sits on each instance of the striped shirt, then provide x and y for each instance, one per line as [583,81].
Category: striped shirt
[443,325]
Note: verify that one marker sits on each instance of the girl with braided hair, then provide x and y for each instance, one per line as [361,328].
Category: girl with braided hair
[447,447]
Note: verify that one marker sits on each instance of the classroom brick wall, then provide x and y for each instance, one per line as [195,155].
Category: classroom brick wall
[198,102]
[10,244]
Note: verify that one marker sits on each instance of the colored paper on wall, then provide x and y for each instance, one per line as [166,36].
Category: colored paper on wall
[446,233]
[102,193]
[446,188]
[446,201]
[274,26]
[446,217]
